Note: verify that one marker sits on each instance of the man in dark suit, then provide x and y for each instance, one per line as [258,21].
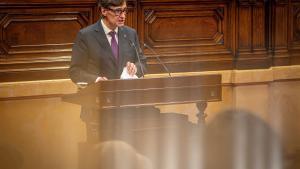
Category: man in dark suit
[101,51]
[105,50]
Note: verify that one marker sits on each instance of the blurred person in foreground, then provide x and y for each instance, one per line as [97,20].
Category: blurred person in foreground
[118,155]
[237,139]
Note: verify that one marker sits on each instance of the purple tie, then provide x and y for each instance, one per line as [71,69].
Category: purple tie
[114,44]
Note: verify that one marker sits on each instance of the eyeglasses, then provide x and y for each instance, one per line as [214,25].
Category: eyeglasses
[119,11]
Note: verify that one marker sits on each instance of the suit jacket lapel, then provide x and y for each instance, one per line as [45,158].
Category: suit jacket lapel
[122,46]
[101,38]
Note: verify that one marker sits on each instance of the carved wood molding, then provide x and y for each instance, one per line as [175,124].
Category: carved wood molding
[190,35]
[32,75]
[31,3]
[250,2]
[32,33]
[281,2]
[181,1]
[36,37]
[190,28]
[251,30]
[296,23]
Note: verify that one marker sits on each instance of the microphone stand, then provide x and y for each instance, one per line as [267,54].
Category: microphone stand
[157,57]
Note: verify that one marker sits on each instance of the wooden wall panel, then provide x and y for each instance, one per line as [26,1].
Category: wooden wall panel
[259,29]
[42,32]
[251,41]
[244,29]
[36,36]
[186,28]
[131,17]
[294,47]
[188,37]
[280,33]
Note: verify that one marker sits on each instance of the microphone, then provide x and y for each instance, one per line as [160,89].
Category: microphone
[137,54]
[158,59]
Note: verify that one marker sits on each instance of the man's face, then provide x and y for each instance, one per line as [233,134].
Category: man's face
[114,16]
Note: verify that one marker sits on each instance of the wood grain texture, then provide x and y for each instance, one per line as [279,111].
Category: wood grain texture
[188,35]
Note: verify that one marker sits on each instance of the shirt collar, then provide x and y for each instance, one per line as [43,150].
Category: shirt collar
[106,29]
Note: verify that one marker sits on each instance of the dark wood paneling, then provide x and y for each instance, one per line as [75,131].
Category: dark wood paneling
[259,28]
[188,35]
[252,49]
[295,33]
[29,33]
[280,32]
[36,37]
[186,26]
[132,16]
[244,29]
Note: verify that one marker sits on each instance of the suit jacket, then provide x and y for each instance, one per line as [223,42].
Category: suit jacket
[92,55]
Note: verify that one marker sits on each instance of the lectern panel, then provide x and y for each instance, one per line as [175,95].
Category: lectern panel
[150,91]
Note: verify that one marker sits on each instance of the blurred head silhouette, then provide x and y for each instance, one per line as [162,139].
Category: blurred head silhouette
[118,155]
[237,139]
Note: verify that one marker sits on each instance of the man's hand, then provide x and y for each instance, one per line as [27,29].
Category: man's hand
[131,68]
[100,79]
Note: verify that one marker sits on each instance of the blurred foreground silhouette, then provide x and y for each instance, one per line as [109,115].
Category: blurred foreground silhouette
[236,139]
[117,155]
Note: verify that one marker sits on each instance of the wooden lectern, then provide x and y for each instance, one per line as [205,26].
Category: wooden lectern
[113,94]
[113,101]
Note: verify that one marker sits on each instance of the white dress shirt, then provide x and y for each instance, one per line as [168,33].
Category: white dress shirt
[107,30]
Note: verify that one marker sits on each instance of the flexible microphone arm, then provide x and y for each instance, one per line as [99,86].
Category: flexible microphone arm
[157,57]
[137,54]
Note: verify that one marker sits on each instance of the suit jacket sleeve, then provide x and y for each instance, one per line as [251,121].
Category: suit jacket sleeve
[79,62]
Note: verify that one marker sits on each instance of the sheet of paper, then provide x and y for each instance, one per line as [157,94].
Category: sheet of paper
[125,75]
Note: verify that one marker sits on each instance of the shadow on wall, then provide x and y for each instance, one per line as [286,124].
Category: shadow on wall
[10,157]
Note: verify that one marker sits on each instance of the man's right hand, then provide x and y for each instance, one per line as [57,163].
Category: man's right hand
[100,79]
